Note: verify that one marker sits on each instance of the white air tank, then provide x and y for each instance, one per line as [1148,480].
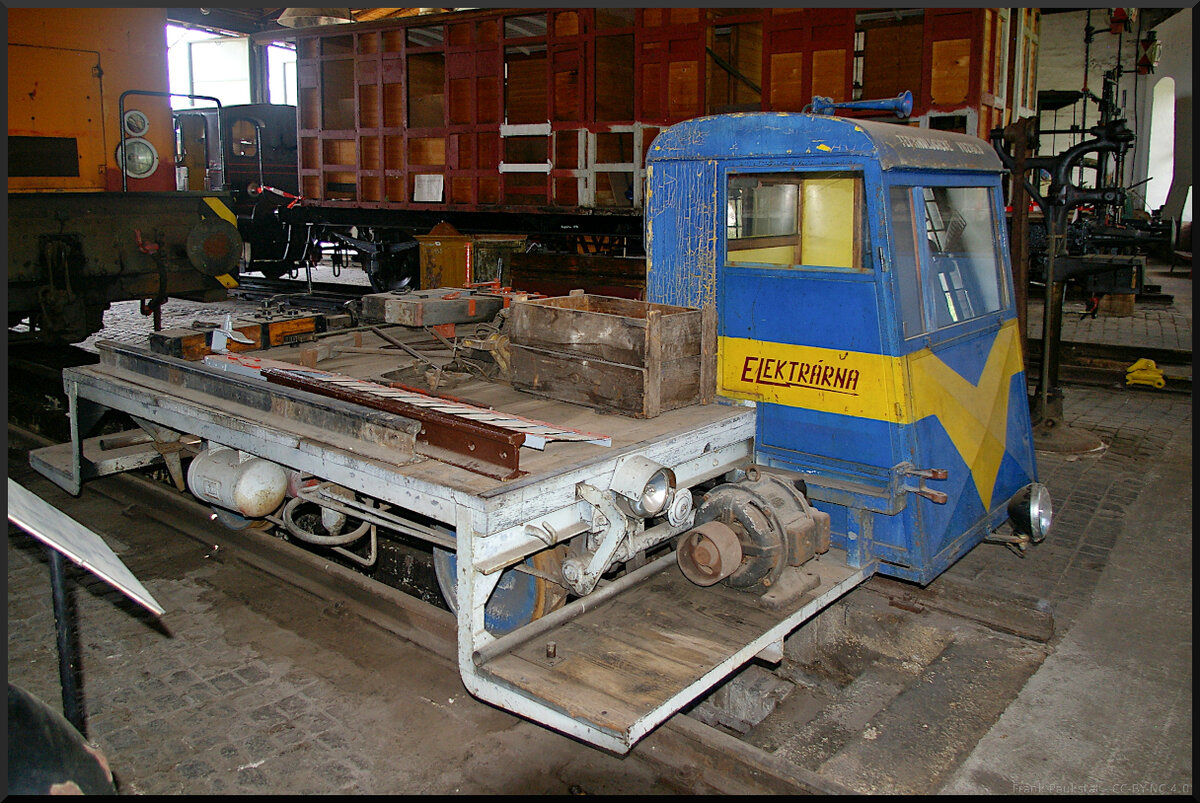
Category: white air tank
[230,479]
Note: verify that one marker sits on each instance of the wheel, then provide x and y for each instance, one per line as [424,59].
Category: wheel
[272,270]
[387,278]
[518,599]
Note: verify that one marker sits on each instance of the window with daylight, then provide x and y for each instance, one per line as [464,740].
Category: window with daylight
[795,220]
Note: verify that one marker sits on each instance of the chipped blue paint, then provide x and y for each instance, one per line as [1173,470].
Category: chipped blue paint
[687,170]
[769,134]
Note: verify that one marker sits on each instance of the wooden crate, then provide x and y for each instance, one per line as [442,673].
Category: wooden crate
[616,354]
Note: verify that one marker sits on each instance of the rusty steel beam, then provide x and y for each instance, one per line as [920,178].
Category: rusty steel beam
[476,446]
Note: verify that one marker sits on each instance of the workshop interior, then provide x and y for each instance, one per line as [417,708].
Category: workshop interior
[624,356]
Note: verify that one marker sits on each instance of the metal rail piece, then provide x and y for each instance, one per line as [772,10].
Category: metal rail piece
[474,445]
[537,433]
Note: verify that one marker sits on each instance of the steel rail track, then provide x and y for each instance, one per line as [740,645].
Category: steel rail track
[1105,364]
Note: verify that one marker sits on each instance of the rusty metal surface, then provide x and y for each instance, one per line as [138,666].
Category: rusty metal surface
[480,447]
[432,307]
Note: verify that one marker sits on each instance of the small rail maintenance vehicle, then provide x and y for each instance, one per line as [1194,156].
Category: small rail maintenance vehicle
[825,382]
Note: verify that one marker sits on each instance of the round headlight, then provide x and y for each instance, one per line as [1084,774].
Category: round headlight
[1031,511]
[656,495]
[136,123]
[137,157]
[646,487]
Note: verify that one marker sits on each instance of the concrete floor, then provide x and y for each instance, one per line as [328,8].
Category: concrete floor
[1110,710]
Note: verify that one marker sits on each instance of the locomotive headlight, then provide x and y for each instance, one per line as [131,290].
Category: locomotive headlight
[1031,511]
[136,123]
[137,157]
[646,487]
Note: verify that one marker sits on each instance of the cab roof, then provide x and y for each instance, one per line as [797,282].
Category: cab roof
[767,135]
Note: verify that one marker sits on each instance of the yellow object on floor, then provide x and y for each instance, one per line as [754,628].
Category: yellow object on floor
[1144,372]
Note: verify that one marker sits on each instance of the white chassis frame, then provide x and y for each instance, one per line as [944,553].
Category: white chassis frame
[494,530]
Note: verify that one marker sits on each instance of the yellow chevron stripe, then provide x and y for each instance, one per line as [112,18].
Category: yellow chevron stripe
[898,390]
[974,416]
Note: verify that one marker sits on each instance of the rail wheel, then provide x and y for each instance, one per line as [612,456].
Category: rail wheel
[519,597]
[272,270]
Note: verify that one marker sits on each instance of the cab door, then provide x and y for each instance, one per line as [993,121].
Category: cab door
[966,400]
[803,335]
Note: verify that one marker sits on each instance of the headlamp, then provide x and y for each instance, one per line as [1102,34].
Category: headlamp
[646,487]
[137,157]
[135,123]
[1031,511]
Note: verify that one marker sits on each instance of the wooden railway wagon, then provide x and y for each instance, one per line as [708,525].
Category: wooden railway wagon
[554,110]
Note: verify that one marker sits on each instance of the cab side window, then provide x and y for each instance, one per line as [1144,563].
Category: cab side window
[244,137]
[948,267]
[906,265]
[795,220]
[964,266]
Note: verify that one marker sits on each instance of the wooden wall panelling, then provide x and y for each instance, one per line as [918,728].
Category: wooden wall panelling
[892,60]
[734,67]
[953,49]
[526,90]
[528,93]
[308,121]
[460,89]
[567,22]
[368,71]
[612,78]
[787,87]
[670,47]
[568,178]
[431,96]
[462,105]
[527,77]
[685,87]
[426,88]
[831,45]
[567,93]
[987,56]
[391,77]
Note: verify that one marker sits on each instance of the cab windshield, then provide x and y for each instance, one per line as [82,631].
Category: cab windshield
[948,262]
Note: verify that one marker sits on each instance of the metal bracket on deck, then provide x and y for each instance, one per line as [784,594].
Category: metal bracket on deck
[582,573]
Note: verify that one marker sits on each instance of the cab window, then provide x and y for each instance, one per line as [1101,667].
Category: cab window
[964,265]
[245,138]
[947,260]
[795,220]
[906,263]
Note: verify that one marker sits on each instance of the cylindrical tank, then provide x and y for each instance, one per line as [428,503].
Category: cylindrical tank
[249,485]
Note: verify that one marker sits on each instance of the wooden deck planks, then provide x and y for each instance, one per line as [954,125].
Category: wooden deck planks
[620,661]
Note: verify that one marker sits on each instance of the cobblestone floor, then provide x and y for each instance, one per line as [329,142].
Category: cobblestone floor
[1090,494]
[1151,324]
